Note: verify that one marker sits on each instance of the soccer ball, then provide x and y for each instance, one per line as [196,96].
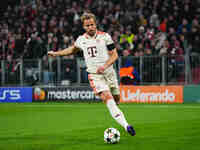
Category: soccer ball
[111,135]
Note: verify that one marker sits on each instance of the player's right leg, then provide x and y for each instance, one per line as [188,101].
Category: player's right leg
[112,82]
[117,99]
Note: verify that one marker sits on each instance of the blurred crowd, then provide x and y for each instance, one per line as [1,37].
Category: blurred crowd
[138,27]
[30,28]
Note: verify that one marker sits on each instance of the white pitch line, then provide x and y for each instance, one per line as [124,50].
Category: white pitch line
[168,138]
[169,106]
[123,106]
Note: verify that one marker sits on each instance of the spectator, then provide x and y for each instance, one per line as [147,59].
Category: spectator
[160,37]
[184,42]
[48,76]
[184,24]
[154,19]
[35,47]
[12,70]
[165,49]
[68,71]
[127,37]
[128,74]
[163,25]
[137,23]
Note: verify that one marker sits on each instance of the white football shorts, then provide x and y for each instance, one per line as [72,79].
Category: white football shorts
[104,82]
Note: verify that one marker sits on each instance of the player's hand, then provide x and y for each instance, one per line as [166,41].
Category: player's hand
[100,70]
[52,53]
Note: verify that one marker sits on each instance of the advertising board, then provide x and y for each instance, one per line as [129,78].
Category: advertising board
[79,93]
[151,94]
[15,94]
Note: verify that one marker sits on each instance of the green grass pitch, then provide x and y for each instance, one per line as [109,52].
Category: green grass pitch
[80,126]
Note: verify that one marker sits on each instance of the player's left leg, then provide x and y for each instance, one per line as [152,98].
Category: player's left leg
[115,112]
[101,88]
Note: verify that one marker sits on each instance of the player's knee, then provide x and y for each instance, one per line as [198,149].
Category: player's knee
[117,99]
[106,95]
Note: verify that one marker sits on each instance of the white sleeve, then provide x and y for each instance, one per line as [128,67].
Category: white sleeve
[78,43]
[108,39]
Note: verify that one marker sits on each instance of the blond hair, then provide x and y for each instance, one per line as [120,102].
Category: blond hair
[87,16]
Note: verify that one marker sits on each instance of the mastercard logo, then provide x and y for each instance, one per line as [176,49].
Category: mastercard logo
[39,94]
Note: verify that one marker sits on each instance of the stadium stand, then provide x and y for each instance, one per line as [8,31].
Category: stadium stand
[30,28]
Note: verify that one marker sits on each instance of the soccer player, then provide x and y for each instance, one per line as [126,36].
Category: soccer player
[99,53]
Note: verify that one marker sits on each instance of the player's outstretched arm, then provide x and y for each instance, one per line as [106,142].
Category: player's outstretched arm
[65,52]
